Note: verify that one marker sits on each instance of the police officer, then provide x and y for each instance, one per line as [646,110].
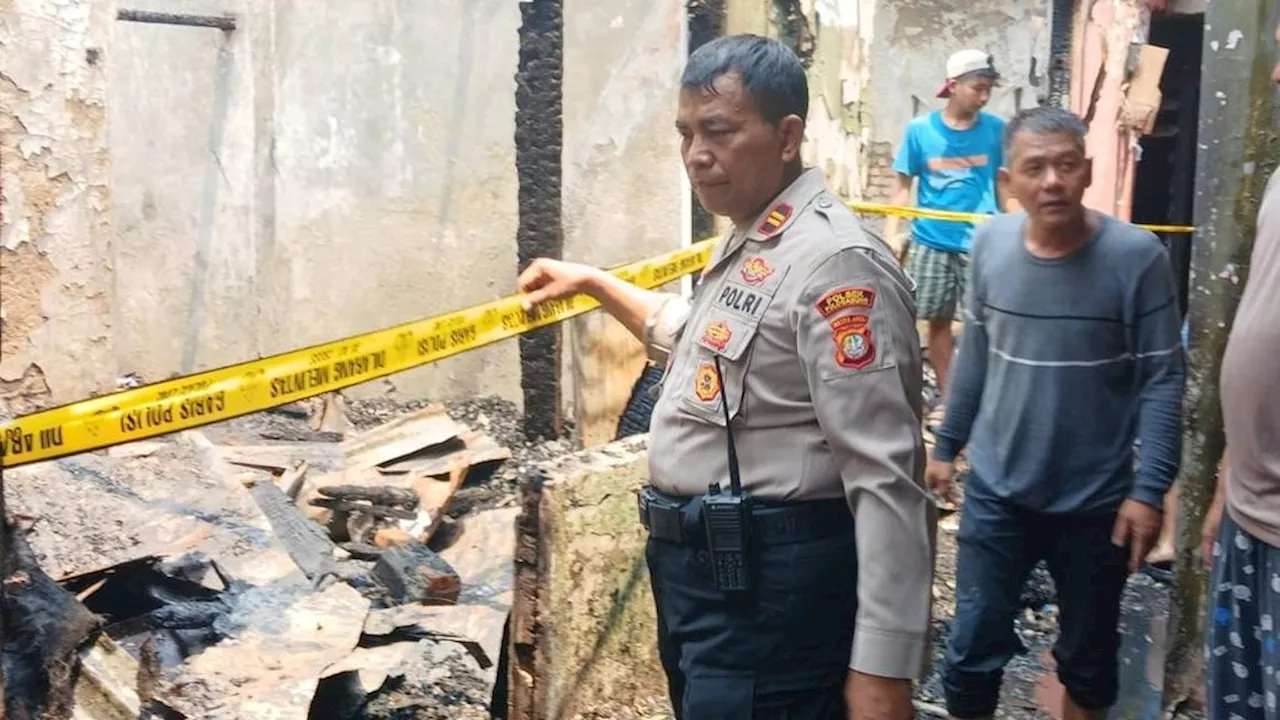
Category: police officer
[802,334]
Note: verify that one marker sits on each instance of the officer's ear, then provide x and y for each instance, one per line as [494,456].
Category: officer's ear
[791,133]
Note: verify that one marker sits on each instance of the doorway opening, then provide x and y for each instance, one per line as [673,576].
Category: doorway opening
[1165,178]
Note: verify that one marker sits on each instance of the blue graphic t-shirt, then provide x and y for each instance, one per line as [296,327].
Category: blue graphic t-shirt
[957,170]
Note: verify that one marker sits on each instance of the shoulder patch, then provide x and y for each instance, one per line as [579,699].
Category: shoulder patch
[776,218]
[846,298]
[855,349]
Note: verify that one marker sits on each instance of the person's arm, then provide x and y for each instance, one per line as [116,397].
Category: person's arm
[899,196]
[655,318]
[863,366]
[969,371]
[1161,377]
[1220,487]
[906,166]
[1213,516]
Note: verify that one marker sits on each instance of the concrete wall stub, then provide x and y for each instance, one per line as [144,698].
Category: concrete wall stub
[583,633]
[55,202]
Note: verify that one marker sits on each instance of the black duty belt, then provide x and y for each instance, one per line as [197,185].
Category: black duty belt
[679,520]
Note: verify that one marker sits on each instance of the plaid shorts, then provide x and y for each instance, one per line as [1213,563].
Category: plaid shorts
[940,280]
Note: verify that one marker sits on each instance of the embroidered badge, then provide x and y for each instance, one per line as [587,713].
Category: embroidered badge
[852,336]
[846,298]
[705,383]
[755,270]
[775,219]
[717,335]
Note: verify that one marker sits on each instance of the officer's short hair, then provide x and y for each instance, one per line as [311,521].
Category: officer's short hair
[771,73]
[1047,120]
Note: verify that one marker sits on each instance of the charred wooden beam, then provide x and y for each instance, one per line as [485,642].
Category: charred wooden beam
[705,20]
[539,139]
[412,573]
[306,542]
[45,629]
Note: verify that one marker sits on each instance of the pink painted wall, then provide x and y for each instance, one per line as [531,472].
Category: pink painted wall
[1099,57]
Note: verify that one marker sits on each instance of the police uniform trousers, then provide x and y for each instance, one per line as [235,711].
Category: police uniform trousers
[778,651]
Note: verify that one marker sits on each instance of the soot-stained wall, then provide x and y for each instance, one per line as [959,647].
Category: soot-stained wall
[327,169]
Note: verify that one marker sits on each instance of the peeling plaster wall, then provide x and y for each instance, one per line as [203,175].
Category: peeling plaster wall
[1100,55]
[836,76]
[331,168]
[911,40]
[833,38]
[55,202]
[875,64]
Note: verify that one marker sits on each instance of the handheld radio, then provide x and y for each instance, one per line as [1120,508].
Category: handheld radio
[727,517]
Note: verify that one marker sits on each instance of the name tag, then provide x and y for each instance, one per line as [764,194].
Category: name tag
[743,301]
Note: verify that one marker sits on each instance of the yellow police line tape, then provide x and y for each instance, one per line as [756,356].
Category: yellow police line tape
[922,213]
[215,395]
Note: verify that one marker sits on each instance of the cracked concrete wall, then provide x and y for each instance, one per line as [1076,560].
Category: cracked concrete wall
[56,272]
[326,169]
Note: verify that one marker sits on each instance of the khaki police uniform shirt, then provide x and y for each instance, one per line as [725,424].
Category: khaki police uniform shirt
[814,326]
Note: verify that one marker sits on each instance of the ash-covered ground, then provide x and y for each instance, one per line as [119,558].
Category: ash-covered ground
[445,682]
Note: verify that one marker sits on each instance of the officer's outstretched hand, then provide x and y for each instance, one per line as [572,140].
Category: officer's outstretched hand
[546,279]
[938,475]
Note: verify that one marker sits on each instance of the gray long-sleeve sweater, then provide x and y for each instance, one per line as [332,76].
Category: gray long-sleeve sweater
[1062,365]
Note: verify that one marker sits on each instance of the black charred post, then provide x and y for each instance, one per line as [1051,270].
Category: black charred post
[539,139]
[45,628]
[706,22]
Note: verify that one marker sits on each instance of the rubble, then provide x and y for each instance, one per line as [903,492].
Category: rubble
[282,565]
[196,579]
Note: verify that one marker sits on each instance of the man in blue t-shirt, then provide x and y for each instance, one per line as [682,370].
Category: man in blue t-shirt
[956,154]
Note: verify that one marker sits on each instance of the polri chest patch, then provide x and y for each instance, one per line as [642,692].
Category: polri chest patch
[706,383]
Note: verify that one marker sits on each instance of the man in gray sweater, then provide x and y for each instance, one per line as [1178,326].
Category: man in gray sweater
[1071,351]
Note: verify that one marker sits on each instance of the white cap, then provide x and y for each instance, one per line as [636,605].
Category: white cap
[965,62]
